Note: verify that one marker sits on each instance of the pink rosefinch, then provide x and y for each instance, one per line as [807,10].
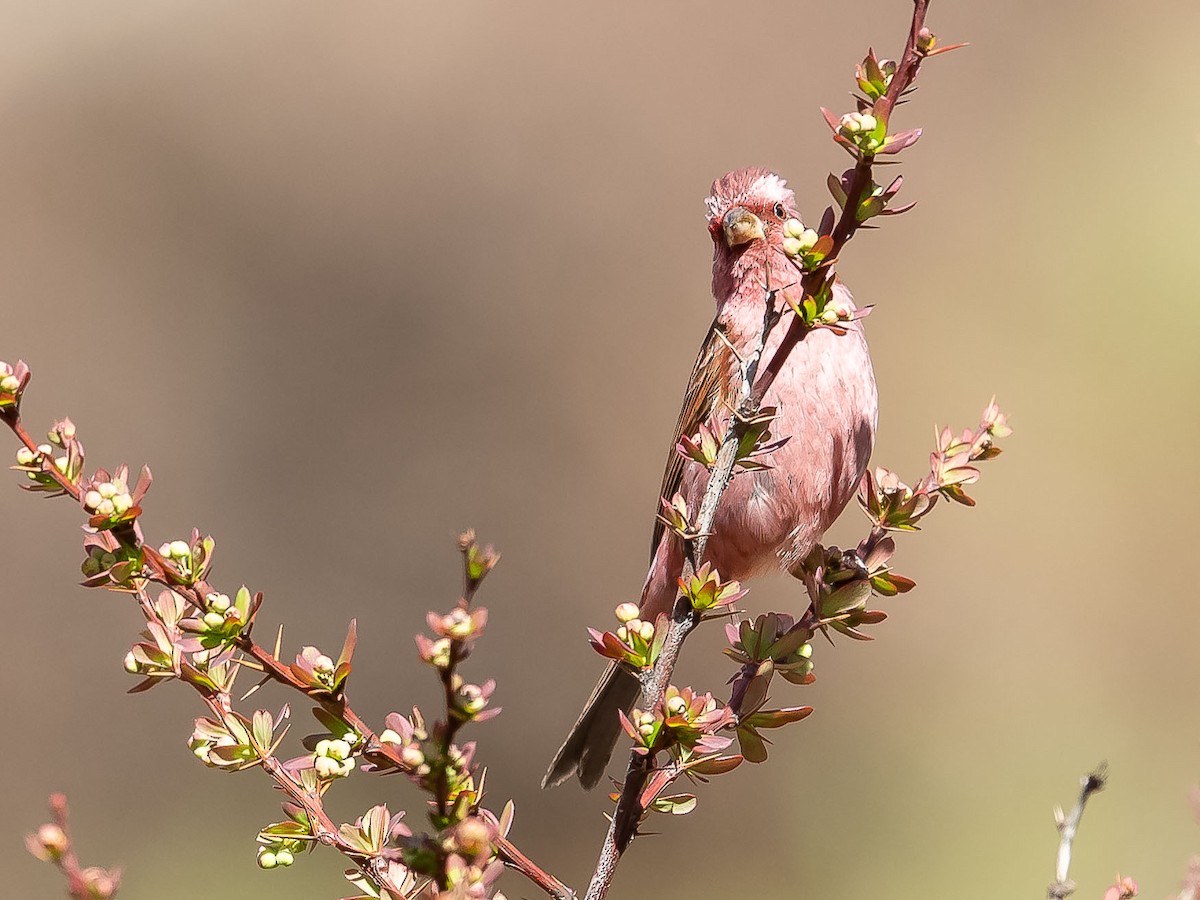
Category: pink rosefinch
[767,520]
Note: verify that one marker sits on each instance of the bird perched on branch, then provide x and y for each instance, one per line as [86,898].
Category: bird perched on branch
[769,519]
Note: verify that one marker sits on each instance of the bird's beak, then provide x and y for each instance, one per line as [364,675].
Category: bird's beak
[740,226]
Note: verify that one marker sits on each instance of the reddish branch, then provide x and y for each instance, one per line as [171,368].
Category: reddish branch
[274,669]
[630,804]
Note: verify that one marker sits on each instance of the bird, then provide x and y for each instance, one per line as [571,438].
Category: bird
[826,404]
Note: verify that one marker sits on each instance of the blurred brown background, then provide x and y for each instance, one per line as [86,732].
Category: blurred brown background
[353,277]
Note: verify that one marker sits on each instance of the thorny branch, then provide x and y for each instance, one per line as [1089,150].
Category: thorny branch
[624,824]
[154,569]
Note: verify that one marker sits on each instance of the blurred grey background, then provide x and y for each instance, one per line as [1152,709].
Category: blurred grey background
[352,277]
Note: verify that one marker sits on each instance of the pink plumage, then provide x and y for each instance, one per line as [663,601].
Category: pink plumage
[826,404]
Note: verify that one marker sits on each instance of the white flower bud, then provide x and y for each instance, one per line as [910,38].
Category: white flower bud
[122,503]
[791,246]
[180,549]
[45,449]
[217,602]
[323,665]
[647,631]
[626,612]
[267,859]
[322,748]
[106,508]
[9,384]
[338,749]
[92,500]
[793,228]
[25,457]
[284,857]
[326,767]
[131,663]
[60,463]
[387,736]
[106,489]
[213,620]
[808,239]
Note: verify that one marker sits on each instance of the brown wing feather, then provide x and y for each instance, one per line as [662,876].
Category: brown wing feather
[706,389]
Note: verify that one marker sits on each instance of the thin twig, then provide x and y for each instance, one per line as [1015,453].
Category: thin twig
[1068,825]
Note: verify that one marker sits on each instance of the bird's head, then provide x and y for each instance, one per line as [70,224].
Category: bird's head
[746,212]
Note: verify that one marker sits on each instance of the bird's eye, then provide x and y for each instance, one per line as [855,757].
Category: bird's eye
[780,212]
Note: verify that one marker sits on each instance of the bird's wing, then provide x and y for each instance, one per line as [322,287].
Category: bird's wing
[707,388]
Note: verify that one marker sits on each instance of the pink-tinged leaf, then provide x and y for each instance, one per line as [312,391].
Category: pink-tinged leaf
[755,694]
[348,646]
[827,221]
[754,748]
[855,633]
[628,725]
[902,583]
[899,210]
[847,597]
[835,189]
[607,645]
[900,141]
[936,50]
[789,643]
[715,765]
[145,685]
[143,484]
[958,495]
[777,718]
[880,553]
[833,120]
[230,753]
[960,475]
[797,678]
[883,586]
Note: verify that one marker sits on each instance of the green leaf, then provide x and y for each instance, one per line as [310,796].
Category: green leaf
[675,805]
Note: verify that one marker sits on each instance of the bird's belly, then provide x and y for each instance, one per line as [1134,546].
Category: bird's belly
[826,406]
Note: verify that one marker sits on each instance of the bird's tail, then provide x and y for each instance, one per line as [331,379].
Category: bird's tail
[590,744]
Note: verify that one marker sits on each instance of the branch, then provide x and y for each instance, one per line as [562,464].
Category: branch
[52,843]
[1068,825]
[630,806]
[120,535]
